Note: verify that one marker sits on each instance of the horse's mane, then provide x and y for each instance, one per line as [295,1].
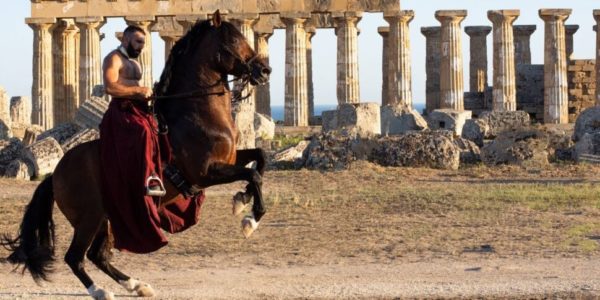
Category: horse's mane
[180,49]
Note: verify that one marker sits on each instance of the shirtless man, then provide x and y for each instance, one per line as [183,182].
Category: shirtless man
[129,151]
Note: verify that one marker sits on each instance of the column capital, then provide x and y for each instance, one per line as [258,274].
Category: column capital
[571,29]
[348,14]
[405,16]
[67,24]
[90,20]
[431,31]
[140,19]
[597,15]
[478,30]
[33,21]
[384,31]
[526,30]
[456,16]
[504,15]
[554,14]
[294,19]
[243,16]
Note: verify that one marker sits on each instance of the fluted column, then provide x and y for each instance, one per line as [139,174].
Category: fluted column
[399,67]
[90,67]
[384,32]
[263,92]
[505,87]
[478,64]
[296,98]
[522,35]
[597,18]
[433,53]
[310,33]
[66,71]
[145,58]
[556,95]
[42,89]
[348,85]
[451,66]
[570,31]
[170,38]
[244,23]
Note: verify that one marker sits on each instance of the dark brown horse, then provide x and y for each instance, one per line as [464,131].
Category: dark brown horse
[195,102]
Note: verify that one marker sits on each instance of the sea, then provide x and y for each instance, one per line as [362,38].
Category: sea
[277,110]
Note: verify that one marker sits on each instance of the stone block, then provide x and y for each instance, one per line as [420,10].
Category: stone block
[43,155]
[60,133]
[587,122]
[329,120]
[20,110]
[499,121]
[83,136]
[398,120]
[19,170]
[4,107]
[264,127]
[448,119]
[90,113]
[361,118]
[476,131]
[243,117]
[10,150]
[588,144]
[5,131]
[525,148]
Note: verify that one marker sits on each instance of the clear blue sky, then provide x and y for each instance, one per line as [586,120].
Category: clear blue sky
[16,49]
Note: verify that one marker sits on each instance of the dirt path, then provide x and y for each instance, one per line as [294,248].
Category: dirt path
[367,233]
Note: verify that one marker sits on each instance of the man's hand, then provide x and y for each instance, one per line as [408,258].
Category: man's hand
[145,92]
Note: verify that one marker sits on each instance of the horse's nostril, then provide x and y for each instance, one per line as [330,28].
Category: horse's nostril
[266,71]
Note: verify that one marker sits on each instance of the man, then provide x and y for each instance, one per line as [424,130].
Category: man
[129,151]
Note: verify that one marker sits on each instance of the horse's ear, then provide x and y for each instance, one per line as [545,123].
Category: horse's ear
[216,20]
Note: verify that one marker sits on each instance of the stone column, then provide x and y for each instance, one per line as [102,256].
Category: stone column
[145,58]
[451,66]
[310,33]
[244,23]
[399,67]
[556,95]
[597,18]
[384,32]
[505,86]
[432,67]
[522,36]
[41,90]
[90,66]
[478,66]
[296,98]
[263,92]
[66,71]
[570,31]
[170,39]
[348,84]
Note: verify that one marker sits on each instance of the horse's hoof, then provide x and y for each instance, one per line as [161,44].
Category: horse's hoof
[100,294]
[238,204]
[145,290]
[249,225]
[141,288]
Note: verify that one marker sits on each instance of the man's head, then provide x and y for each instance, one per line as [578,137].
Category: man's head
[134,39]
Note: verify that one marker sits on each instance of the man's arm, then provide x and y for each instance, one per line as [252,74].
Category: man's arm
[111,67]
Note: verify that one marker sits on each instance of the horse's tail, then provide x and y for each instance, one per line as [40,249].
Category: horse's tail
[34,246]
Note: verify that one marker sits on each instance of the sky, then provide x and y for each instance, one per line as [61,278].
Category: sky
[16,49]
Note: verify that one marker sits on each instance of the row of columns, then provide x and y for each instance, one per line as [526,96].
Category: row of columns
[511,48]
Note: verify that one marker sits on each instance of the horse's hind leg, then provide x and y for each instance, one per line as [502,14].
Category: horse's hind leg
[100,254]
[84,233]
[243,157]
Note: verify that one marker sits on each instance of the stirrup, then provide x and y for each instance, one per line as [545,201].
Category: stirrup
[157,190]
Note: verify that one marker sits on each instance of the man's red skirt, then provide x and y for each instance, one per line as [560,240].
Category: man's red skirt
[129,152]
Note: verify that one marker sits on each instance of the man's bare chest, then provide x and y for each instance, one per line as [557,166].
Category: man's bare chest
[131,70]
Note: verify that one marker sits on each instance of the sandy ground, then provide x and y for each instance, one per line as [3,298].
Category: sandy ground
[308,248]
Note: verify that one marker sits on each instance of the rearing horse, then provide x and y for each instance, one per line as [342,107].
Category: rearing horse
[194,101]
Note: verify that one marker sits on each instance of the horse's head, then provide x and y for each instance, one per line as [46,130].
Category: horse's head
[236,57]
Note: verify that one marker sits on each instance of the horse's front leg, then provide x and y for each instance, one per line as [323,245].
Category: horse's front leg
[244,157]
[219,173]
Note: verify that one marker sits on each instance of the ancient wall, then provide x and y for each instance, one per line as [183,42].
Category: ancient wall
[530,90]
[582,86]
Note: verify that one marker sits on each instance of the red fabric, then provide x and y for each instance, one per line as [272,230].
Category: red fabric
[129,152]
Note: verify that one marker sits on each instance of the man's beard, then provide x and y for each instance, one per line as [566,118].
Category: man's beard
[132,52]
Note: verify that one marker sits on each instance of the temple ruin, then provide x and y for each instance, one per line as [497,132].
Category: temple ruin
[67,62]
